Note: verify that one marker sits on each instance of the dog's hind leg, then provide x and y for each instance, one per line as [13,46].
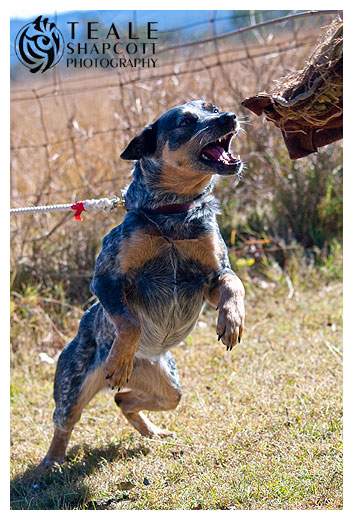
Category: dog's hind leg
[153,386]
[67,415]
[77,379]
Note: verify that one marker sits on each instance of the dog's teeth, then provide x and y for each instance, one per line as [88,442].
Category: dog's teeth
[204,157]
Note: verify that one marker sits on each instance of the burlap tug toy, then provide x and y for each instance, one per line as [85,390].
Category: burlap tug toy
[307,105]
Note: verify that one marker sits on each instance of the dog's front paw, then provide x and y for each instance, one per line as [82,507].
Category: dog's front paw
[231,321]
[118,374]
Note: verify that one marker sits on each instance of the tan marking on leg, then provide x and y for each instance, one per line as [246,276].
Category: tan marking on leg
[56,452]
[136,401]
[206,250]
[177,175]
[119,363]
[93,383]
[144,426]
[152,387]
[149,389]
[229,296]
[229,286]
[139,248]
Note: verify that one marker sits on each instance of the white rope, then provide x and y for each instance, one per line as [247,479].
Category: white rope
[98,204]
[95,204]
[35,209]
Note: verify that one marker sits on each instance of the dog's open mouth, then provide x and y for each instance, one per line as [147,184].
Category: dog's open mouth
[218,151]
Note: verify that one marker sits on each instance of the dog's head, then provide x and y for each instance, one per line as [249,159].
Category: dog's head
[187,146]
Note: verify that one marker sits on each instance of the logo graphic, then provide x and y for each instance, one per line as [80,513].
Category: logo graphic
[39,45]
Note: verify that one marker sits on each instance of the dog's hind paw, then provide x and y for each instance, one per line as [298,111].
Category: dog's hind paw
[49,462]
[150,430]
[161,434]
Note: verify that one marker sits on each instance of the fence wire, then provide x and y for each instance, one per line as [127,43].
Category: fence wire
[57,115]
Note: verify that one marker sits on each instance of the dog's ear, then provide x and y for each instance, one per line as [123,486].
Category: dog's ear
[145,143]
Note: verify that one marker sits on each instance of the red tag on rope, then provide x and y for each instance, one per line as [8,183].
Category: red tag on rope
[78,207]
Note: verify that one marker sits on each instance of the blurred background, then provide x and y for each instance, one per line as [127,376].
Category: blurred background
[68,127]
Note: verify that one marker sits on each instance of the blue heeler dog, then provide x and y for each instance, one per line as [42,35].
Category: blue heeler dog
[154,274]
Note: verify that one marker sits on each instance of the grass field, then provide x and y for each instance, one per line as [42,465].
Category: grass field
[257,428]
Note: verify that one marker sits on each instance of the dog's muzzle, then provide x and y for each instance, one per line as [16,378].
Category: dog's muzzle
[218,151]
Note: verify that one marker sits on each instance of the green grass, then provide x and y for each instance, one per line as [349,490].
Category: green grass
[257,428]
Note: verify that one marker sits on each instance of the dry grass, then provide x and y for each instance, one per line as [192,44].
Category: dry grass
[260,428]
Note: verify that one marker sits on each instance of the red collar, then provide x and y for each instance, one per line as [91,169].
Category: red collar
[168,209]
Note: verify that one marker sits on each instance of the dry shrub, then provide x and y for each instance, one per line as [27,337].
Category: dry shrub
[312,92]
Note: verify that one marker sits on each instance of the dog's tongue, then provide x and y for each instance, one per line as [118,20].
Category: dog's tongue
[215,152]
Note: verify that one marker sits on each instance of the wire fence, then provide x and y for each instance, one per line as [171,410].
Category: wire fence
[68,130]
[56,116]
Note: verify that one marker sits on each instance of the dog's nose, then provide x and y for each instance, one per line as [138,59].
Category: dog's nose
[228,118]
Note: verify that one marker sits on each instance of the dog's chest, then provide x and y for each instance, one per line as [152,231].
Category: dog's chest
[166,283]
[160,269]
[143,248]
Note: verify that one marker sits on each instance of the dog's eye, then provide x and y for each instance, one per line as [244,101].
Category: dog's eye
[215,110]
[185,122]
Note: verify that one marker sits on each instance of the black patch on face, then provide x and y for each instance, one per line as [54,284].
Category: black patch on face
[177,127]
[183,133]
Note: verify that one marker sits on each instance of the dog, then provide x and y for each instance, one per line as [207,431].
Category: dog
[154,274]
